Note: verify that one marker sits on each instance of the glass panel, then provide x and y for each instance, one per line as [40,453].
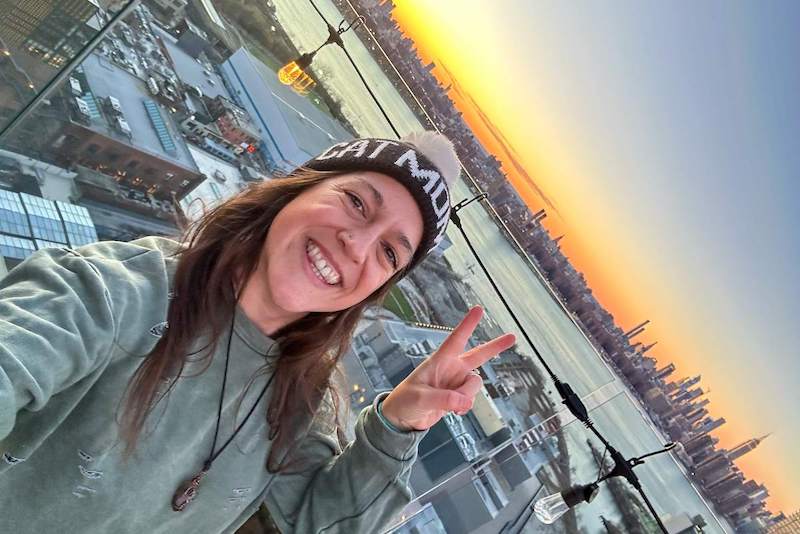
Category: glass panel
[12,214]
[80,229]
[15,247]
[44,218]
[38,38]
[556,453]
[183,93]
[40,244]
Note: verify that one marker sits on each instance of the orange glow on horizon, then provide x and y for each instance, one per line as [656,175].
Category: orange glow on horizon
[430,35]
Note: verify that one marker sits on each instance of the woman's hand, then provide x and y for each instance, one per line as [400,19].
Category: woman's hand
[445,381]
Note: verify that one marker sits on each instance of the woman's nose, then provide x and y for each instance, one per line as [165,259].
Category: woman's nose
[356,244]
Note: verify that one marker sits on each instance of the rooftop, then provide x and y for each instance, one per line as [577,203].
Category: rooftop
[293,129]
[106,79]
[189,70]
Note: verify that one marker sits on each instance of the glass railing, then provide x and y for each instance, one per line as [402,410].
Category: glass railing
[182,102]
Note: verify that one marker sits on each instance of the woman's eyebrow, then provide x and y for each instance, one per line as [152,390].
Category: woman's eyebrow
[379,201]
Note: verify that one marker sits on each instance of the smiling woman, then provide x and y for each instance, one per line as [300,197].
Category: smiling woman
[268,287]
[332,247]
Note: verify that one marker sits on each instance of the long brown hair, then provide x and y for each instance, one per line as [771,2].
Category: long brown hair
[221,247]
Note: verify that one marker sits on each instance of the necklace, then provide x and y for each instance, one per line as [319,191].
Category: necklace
[187,491]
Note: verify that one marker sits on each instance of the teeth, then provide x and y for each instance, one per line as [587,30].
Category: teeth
[320,266]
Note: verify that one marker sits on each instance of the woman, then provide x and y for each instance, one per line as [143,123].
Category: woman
[134,376]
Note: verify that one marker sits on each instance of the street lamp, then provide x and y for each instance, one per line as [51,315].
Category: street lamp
[294,72]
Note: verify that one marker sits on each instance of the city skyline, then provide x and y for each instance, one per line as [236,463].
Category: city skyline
[572,167]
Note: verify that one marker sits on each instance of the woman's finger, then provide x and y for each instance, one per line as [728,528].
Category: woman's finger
[477,356]
[446,400]
[460,335]
[471,386]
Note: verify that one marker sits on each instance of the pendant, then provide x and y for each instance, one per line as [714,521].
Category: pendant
[186,492]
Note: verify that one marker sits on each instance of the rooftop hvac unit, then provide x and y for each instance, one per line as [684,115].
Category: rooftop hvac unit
[75,85]
[152,85]
[123,125]
[83,107]
[115,104]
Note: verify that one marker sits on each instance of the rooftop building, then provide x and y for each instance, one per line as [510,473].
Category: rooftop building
[138,146]
[190,70]
[292,128]
[788,525]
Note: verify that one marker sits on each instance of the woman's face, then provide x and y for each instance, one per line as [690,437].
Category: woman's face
[337,242]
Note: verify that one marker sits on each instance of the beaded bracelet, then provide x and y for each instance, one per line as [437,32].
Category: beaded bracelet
[386,422]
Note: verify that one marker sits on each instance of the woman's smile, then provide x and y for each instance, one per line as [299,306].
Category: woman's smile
[322,269]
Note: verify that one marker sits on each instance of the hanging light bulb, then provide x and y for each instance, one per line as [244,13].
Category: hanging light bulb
[303,84]
[289,73]
[294,73]
[549,509]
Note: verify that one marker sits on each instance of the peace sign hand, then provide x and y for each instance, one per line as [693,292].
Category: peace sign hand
[445,381]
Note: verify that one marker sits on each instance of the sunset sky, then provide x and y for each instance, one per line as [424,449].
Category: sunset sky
[663,140]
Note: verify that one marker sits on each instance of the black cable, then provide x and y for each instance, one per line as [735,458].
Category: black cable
[355,67]
[383,111]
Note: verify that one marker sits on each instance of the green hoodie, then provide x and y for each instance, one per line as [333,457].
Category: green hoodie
[74,326]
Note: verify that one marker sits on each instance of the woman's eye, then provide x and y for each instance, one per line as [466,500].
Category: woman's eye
[359,205]
[392,257]
[356,202]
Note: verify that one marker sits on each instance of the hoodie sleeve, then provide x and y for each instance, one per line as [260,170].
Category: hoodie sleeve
[56,326]
[359,489]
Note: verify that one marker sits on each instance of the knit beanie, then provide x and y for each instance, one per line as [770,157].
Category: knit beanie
[425,163]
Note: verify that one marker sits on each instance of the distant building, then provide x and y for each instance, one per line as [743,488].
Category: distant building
[127,157]
[223,41]
[233,122]
[138,146]
[743,448]
[193,40]
[292,128]
[168,11]
[53,30]
[665,371]
[30,222]
[788,525]
[709,424]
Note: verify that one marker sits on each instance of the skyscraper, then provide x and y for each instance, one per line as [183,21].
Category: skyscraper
[665,371]
[790,525]
[709,424]
[745,447]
